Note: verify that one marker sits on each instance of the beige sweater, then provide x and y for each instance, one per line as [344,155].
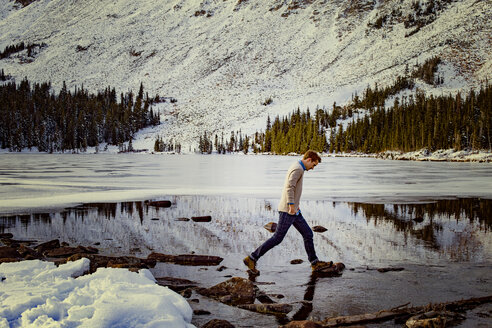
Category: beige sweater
[292,188]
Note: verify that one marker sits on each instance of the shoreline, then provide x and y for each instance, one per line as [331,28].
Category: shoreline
[423,155]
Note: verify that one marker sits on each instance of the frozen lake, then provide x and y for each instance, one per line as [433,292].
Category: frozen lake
[434,219]
[31,181]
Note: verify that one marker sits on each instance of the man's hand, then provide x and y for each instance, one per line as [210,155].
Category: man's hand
[292,210]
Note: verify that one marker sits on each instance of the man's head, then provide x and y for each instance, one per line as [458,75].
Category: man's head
[311,159]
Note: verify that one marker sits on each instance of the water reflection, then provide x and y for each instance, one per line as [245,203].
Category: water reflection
[358,233]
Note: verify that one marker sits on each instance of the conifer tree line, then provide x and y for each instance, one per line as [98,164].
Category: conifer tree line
[34,116]
[237,142]
[417,122]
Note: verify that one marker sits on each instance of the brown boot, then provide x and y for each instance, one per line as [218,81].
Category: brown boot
[320,265]
[251,264]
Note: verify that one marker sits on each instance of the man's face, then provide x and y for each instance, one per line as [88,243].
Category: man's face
[311,164]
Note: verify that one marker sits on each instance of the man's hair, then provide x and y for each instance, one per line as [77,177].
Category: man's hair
[312,155]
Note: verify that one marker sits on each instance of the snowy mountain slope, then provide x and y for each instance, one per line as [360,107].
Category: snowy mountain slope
[221,59]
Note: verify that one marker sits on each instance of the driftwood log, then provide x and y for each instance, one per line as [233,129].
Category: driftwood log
[406,312]
[399,313]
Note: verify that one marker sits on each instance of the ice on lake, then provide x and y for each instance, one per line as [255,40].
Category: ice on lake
[433,219]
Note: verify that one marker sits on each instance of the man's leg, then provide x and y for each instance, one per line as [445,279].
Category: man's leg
[307,234]
[284,223]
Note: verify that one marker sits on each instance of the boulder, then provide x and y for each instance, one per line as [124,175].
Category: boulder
[216,323]
[207,218]
[182,219]
[28,253]
[9,252]
[267,308]
[234,291]
[49,245]
[296,261]
[271,226]
[319,229]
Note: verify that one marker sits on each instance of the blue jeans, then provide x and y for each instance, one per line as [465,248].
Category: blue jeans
[284,223]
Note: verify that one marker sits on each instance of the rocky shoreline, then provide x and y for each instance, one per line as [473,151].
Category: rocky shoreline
[235,291]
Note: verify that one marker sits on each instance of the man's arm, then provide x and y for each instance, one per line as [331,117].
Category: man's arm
[292,181]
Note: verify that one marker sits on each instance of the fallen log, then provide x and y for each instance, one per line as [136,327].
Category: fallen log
[398,312]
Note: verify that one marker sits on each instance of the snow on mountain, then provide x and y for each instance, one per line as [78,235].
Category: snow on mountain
[221,59]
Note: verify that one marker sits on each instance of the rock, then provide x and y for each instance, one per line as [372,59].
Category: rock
[9,252]
[201,218]
[16,243]
[233,291]
[160,203]
[216,323]
[186,259]
[198,259]
[267,308]
[296,261]
[271,226]
[28,253]
[176,284]
[419,219]
[302,324]
[64,251]
[100,261]
[182,219]
[264,298]
[319,229]
[49,245]
[9,259]
[159,257]
[186,293]
[201,312]
[7,235]
[390,269]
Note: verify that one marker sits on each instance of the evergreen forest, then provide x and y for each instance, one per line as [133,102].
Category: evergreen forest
[34,116]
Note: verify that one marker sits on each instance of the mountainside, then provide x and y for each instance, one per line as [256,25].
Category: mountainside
[222,59]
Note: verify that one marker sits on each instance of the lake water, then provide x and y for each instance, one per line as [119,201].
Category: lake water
[433,219]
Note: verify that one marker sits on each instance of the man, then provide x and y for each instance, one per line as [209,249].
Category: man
[290,214]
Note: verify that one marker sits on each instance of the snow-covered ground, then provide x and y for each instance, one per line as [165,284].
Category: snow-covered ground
[222,59]
[39,294]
